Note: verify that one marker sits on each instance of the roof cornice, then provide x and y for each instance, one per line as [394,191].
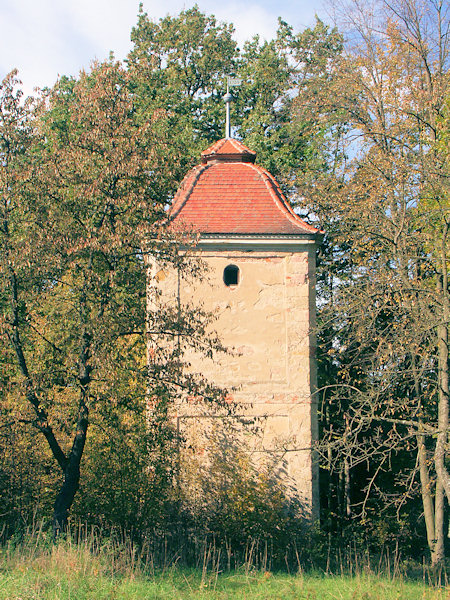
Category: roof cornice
[261,242]
[261,236]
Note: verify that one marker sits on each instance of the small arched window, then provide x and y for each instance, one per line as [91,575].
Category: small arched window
[231,275]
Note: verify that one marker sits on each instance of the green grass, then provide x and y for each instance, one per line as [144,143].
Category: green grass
[96,569]
[33,583]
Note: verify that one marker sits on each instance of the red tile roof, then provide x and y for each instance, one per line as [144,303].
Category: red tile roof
[228,149]
[229,194]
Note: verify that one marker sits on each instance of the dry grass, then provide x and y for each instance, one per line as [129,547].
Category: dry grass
[95,568]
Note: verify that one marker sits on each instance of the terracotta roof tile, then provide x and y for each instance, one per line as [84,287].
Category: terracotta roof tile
[228,149]
[229,194]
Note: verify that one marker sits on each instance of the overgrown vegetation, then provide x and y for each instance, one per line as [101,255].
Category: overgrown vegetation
[384,274]
[93,567]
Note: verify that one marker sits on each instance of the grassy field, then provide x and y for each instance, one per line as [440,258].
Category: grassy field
[35,571]
[34,582]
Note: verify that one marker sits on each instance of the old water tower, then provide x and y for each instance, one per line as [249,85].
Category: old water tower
[260,282]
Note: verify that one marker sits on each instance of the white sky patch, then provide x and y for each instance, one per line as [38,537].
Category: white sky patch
[48,38]
[106,23]
[248,20]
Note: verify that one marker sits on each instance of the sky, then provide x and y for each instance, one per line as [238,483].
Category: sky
[45,39]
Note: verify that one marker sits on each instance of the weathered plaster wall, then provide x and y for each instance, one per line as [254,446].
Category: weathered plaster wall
[267,322]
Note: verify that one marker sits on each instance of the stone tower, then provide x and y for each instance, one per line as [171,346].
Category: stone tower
[260,283]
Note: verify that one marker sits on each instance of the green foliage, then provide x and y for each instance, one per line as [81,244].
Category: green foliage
[179,65]
[80,214]
[224,497]
[128,473]
[383,272]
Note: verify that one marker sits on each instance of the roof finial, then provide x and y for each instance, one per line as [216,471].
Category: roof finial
[231,82]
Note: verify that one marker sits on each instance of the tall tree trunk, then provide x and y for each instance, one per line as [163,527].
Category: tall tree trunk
[426,491]
[71,482]
[425,482]
[442,435]
[346,484]
[347,499]
[71,471]
[438,553]
[443,479]
[442,484]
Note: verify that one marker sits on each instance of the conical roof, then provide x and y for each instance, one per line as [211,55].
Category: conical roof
[229,194]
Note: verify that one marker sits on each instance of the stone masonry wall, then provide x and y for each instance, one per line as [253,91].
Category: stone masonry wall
[267,322]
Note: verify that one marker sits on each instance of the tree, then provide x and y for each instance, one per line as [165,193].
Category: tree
[180,65]
[17,137]
[104,154]
[386,311]
[261,107]
[84,187]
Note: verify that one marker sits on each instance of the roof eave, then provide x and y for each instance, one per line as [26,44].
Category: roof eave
[260,241]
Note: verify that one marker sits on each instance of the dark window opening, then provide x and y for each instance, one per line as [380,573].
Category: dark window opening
[231,275]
